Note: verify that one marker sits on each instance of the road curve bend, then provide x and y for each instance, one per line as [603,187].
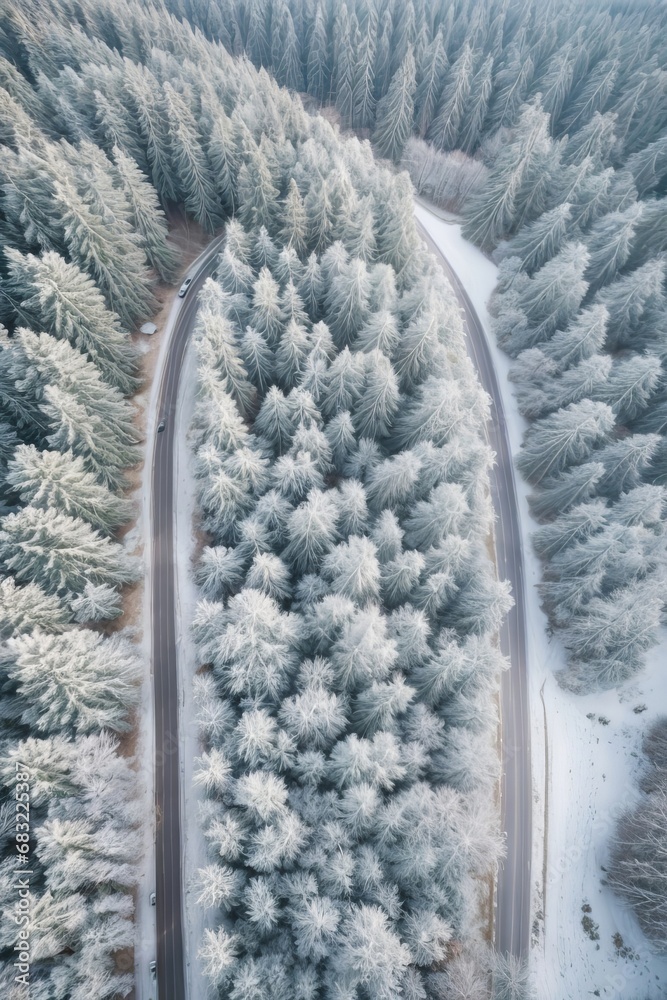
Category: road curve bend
[512,909]
[168,858]
[512,903]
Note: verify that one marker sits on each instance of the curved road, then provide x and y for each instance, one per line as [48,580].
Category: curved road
[512,916]
[169,904]
[512,904]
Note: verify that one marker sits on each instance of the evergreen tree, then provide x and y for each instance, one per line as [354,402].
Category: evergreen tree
[395,111]
[631,385]
[373,416]
[51,479]
[189,163]
[288,68]
[625,462]
[267,315]
[510,87]
[562,492]
[519,171]
[371,955]
[470,131]
[223,155]
[97,603]
[319,67]
[444,128]
[564,438]
[62,300]
[347,302]
[88,416]
[609,244]
[146,216]
[383,53]
[295,226]
[431,80]
[649,165]
[109,253]
[63,681]
[613,634]
[581,339]
[540,241]
[363,92]
[627,300]
[595,141]
[551,298]
[256,653]
[257,195]
[29,608]
[60,553]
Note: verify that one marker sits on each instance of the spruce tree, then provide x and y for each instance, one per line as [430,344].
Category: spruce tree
[108,252]
[444,128]
[257,195]
[64,683]
[395,111]
[319,67]
[295,225]
[431,80]
[51,479]
[189,163]
[60,553]
[62,300]
[564,438]
[146,216]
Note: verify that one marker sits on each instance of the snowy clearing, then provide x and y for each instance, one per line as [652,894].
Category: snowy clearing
[591,763]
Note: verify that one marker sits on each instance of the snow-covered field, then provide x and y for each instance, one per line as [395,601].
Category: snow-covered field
[588,776]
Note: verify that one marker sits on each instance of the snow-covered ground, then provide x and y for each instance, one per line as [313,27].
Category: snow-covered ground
[588,775]
[193,844]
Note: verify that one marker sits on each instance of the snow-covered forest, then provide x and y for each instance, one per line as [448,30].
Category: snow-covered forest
[581,307]
[563,107]
[349,610]
[349,606]
[359,553]
[638,863]
[83,245]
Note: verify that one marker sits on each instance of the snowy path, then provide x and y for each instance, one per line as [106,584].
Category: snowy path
[591,764]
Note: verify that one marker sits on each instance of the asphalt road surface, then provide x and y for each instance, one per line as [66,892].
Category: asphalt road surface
[169,867]
[512,904]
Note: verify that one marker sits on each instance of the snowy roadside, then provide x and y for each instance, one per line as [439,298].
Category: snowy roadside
[591,763]
[193,843]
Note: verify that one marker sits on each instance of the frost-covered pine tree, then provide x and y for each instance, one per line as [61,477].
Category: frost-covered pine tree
[188,160]
[59,480]
[23,609]
[444,129]
[146,215]
[108,251]
[395,111]
[563,439]
[63,681]
[60,553]
[62,300]
[258,195]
